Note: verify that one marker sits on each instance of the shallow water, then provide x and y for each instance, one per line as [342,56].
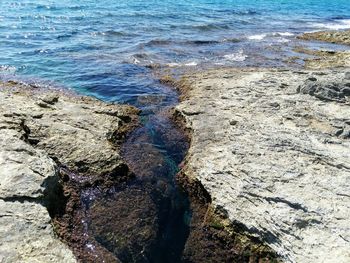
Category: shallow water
[100,48]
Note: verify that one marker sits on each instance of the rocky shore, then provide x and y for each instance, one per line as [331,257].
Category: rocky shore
[321,59]
[336,36]
[272,149]
[267,171]
[43,131]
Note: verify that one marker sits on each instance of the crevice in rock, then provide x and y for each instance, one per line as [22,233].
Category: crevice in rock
[213,236]
[54,198]
[21,199]
[279,200]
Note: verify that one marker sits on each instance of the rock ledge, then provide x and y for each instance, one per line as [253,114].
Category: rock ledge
[272,148]
[41,129]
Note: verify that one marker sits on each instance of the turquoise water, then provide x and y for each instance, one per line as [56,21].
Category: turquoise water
[103,48]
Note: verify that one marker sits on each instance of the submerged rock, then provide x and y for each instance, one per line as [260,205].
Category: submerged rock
[274,160]
[39,130]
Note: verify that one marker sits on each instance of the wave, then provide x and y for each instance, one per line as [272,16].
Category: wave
[8,69]
[239,12]
[158,42]
[231,40]
[259,37]
[238,56]
[67,35]
[210,27]
[186,64]
[140,58]
[111,33]
[336,25]
[199,42]
[202,42]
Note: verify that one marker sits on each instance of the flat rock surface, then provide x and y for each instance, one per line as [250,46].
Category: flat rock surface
[336,36]
[40,128]
[322,59]
[272,148]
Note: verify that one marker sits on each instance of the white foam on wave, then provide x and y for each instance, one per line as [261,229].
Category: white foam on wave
[340,24]
[191,64]
[188,64]
[173,65]
[135,61]
[260,37]
[283,40]
[284,34]
[257,37]
[239,56]
[8,69]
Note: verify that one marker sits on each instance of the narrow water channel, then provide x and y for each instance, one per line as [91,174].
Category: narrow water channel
[146,220]
[147,217]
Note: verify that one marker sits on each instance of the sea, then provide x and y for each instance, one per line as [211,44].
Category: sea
[109,49]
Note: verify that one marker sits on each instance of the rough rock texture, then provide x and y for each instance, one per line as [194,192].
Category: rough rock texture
[274,159]
[25,231]
[337,37]
[326,58]
[38,129]
[322,59]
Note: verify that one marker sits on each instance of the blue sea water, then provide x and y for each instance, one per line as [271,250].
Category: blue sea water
[105,48]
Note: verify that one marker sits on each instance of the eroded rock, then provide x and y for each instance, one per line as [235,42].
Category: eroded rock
[336,36]
[26,234]
[282,172]
[41,129]
[326,90]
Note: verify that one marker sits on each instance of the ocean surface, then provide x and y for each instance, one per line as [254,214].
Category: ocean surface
[106,48]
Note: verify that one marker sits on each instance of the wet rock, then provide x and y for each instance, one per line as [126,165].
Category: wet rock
[326,58]
[281,176]
[325,90]
[40,129]
[126,224]
[338,37]
[323,59]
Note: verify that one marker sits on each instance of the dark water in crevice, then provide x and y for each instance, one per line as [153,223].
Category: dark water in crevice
[147,218]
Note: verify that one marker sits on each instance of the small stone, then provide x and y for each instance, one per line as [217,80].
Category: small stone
[312,79]
[346,91]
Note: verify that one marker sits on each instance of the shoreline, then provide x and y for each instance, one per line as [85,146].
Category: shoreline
[270,208]
[212,111]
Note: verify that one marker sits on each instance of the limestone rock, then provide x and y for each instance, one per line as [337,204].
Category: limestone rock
[326,59]
[275,160]
[328,91]
[338,37]
[27,236]
[40,128]
[79,132]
